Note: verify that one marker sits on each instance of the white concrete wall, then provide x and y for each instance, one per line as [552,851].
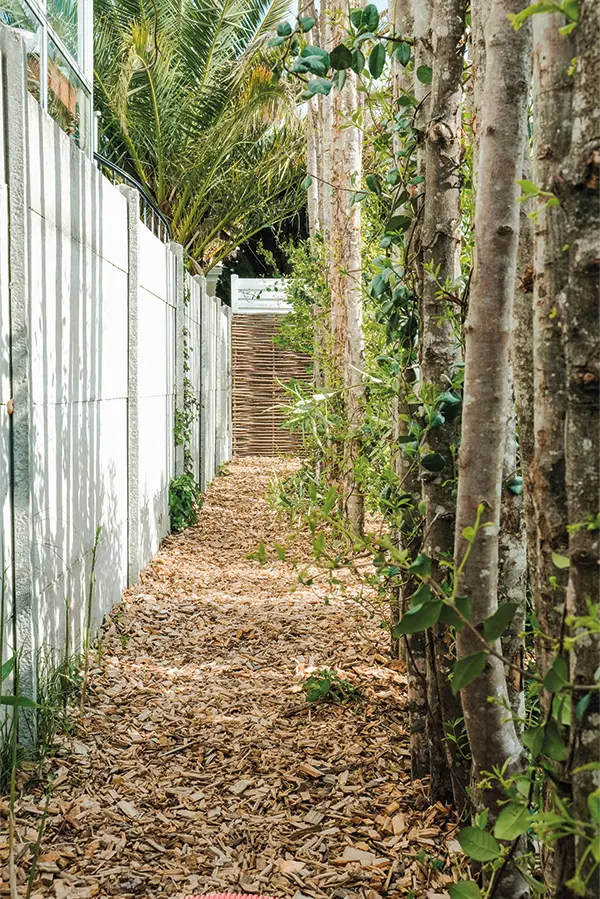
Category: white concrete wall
[6,599]
[96,376]
[156,389]
[78,387]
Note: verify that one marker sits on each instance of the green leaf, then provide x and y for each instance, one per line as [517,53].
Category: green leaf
[319,544]
[496,624]
[464,889]
[319,86]
[261,554]
[533,739]
[356,17]
[557,675]
[341,57]
[18,702]
[398,223]
[595,847]
[417,619]
[560,561]
[466,671]
[377,60]
[306,23]
[593,804]
[372,182]
[370,18]
[553,746]
[433,462]
[284,29]
[307,182]
[276,42]
[358,61]
[449,399]
[392,177]
[315,64]
[582,705]
[403,54]
[8,667]
[515,485]
[339,79]
[528,187]
[280,550]
[513,820]
[330,499]
[478,844]
[425,74]
[422,594]
[421,565]
[450,617]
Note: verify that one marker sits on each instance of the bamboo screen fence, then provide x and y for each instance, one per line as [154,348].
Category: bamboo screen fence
[257,364]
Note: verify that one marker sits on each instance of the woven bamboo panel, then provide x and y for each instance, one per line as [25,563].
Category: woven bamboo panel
[257,364]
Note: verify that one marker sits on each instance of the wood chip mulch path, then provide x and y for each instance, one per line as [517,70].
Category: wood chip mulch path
[198,766]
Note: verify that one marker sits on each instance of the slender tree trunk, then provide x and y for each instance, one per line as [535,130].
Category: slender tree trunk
[401,18]
[346,272]
[512,560]
[552,57]
[581,201]
[492,735]
[314,169]
[439,353]
[522,357]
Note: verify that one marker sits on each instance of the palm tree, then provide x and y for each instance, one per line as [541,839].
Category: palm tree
[189,106]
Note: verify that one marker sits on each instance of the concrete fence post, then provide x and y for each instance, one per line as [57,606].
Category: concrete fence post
[13,108]
[201,282]
[235,287]
[133,422]
[228,387]
[179,303]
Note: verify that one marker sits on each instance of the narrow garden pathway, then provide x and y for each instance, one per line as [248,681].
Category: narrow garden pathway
[199,766]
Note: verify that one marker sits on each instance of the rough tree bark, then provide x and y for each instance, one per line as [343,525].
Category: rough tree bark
[522,357]
[552,90]
[581,199]
[346,269]
[439,352]
[512,561]
[492,735]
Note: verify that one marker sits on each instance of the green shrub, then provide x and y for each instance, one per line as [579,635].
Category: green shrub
[184,501]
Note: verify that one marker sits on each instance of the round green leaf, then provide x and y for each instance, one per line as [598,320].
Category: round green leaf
[341,57]
[478,844]
[419,618]
[319,86]
[276,42]
[513,820]
[370,18]
[358,61]
[306,23]
[284,29]
[433,462]
[557,675]
[377,60]
[496,624]
[533,739]
[464,889]
[425,74]
[307,182]
[465,672]
[403,54]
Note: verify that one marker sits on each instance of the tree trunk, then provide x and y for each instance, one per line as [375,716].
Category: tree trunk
[552,90]
[346,272]
[512,561]
[522,359]
[492,736]
[401,18]
[439,352]
[582,207]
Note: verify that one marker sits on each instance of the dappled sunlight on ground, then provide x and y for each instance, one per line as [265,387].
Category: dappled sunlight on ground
[198,766]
